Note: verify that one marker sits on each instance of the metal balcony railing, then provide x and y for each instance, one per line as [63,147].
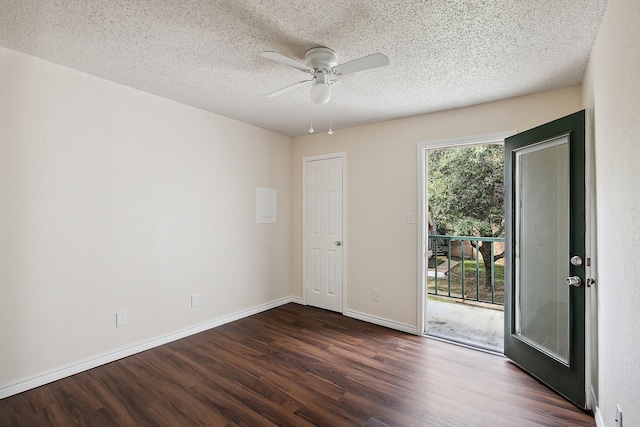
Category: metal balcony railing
[456,271]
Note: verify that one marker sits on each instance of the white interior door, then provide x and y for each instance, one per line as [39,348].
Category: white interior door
[323,232]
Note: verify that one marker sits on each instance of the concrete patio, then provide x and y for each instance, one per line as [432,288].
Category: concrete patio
[475,325]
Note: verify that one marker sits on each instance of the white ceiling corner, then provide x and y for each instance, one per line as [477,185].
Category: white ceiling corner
[444,53]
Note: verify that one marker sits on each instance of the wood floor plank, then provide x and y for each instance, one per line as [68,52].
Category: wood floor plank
[298,366]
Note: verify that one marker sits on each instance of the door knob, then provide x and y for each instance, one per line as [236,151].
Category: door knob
[574,281]
[338,243]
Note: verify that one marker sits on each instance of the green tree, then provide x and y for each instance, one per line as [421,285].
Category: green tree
[466,194]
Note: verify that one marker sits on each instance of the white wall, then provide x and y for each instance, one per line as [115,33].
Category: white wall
[113,199]
[383,187]
[612,90]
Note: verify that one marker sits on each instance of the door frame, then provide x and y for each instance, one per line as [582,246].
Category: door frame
[345,242]
[423,148]
[591,270]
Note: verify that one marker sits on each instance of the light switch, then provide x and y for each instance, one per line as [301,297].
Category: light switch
[411,218]
[121,319]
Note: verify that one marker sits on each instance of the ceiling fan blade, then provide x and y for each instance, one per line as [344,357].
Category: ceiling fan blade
[339,87]
[365,63]
[274,56]
[288,88]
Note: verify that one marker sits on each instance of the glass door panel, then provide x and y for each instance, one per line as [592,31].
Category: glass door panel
[542,249]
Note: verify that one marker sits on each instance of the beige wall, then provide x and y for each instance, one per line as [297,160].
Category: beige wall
[113,199]
[612,90]
[382,189]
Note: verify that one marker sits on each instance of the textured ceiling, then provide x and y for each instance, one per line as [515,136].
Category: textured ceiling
[444,53]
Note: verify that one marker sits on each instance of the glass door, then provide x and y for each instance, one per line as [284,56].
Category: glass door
[545,250]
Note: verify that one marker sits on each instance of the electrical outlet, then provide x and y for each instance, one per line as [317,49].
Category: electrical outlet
[121,319]
[376,295]
[618,416]
[195,300]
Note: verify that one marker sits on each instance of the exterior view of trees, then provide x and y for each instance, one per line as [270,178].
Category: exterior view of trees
[466,194]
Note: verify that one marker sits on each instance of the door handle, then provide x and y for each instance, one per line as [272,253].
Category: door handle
[574,281]
[338,243]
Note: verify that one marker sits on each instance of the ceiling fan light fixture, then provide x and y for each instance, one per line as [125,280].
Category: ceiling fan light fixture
[320,91]
[320,63]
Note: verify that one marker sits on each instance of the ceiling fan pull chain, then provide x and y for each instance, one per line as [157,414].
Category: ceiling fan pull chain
[330,119]
[311,130]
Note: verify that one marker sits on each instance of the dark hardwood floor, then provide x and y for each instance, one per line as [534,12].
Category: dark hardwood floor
[298,366]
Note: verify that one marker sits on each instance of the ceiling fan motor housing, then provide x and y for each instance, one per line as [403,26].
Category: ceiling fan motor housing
[321,59]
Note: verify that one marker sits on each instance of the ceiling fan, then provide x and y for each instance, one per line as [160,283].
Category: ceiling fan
[322,64]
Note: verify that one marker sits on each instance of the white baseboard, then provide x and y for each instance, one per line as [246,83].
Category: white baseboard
[58,374]
[382,322]
[597,415]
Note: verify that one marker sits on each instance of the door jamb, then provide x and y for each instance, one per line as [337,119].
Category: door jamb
[342,155]
[590,329]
